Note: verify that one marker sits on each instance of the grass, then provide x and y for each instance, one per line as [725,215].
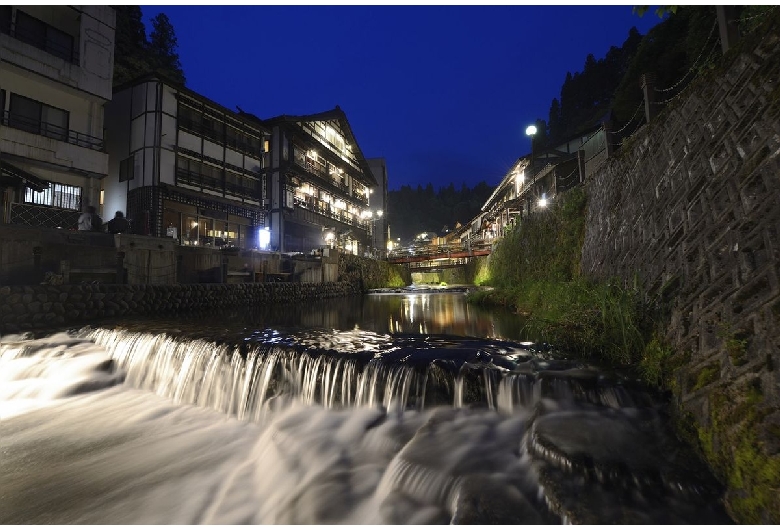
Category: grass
[535,270]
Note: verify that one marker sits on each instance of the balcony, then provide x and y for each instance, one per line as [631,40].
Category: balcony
[308,203]
[317,168]
[49,130]
[196,179]
[248,145]
[48,143]
[192,178]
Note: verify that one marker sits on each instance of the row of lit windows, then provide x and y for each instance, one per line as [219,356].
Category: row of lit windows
[330,135]
[305,192]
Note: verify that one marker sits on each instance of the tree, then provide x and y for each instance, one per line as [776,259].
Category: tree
[422,210]
[135,55]
[130,54]
[587,97]
[556,127]
[163,49]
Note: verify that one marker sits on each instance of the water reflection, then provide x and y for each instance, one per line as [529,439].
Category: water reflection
[383,314]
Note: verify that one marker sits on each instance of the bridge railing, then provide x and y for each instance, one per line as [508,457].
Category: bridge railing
[436,252]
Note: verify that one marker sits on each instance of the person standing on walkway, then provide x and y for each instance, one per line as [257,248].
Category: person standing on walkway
[85,219]
[118,225]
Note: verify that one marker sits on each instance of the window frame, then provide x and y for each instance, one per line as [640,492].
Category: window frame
[37,126]
[45,40]
[62,196]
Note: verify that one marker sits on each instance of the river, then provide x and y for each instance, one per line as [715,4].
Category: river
[408,407]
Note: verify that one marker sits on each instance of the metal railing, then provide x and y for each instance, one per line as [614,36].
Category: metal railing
[317,169]
[196,179]
[219,136]
[331,213]
[50,130]
[193,178]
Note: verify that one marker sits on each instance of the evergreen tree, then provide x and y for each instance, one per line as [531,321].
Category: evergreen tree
[135,55]
[413,211]
[556,127]
[130,53]
[588,96]
[163,49]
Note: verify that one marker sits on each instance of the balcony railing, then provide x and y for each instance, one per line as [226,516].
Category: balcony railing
[219,136]
[192,178]
[243,191]
[196,179]
[50,130]
[317,168]
[332,213]
[42,42]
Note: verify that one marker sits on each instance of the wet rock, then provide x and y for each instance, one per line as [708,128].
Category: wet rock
[480,501]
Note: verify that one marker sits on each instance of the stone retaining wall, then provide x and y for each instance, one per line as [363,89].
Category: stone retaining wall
[691,209]
[366,273]
[26,308]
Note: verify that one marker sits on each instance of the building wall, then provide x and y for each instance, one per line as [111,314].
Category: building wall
[85,111]
[80,86]
[118,145]
[377,201]
[93,29]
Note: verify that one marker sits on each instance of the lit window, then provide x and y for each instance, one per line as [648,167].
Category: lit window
[56,195]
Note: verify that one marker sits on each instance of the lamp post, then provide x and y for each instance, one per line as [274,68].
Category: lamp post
[375,217]
[531,131]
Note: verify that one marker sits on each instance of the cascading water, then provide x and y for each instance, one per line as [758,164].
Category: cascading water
[109,425]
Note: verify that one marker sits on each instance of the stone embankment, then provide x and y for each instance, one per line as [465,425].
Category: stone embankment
[27,308]
[689,210]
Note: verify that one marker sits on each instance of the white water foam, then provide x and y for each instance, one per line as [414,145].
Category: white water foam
[79,452]
[287,438]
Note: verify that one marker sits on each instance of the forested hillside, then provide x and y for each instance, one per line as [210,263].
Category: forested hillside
[415,210]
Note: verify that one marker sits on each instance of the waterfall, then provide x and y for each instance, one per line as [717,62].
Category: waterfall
[244,381]
[160,428]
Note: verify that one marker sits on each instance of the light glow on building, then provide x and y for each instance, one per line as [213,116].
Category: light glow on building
[264,238]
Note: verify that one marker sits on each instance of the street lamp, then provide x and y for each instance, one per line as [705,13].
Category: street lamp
[531,131]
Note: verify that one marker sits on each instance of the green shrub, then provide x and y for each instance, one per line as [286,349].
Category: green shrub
[535,270]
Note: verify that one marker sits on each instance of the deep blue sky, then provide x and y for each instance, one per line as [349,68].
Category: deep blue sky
[443,93]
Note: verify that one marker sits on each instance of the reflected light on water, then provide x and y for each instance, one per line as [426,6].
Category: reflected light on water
[434,313]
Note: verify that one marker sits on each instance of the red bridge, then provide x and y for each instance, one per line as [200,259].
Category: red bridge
[430,258]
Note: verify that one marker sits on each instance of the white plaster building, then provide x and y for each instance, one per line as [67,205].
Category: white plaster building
[56,67]
[185,167]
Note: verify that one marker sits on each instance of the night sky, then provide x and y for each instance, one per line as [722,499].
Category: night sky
[443,93]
